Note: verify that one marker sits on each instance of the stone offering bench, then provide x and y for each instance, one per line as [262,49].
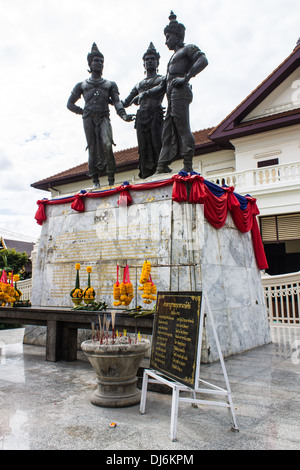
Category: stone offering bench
[63,324]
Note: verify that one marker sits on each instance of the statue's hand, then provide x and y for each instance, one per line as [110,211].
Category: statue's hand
[141,97]
[128,117]
[179,81]
[135,100]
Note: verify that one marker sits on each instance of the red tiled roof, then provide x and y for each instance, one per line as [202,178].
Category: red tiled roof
[125,160]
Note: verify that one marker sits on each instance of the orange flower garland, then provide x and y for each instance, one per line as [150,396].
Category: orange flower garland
[123,293]
[148,286]
[117,292]
[7,294]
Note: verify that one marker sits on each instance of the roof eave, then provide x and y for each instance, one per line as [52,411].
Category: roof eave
[230,125]
[251,128]
[82,176]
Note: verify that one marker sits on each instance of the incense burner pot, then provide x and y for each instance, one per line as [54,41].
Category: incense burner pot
[116,367]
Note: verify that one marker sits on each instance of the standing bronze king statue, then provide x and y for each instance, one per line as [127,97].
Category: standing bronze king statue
[150,115]
[186,62]
[98,93]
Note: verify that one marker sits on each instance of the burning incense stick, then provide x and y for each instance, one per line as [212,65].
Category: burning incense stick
[113,319]
[107,325]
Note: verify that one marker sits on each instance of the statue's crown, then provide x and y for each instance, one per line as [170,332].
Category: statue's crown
[151,50]
[94,52]
[175,27]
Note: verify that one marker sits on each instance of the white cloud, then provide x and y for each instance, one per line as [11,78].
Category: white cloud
[43,49]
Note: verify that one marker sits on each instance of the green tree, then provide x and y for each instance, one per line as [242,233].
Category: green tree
[11,260]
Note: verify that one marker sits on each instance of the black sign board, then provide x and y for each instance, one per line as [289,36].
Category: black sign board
[175,335]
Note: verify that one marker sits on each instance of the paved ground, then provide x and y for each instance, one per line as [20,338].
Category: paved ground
[46,406]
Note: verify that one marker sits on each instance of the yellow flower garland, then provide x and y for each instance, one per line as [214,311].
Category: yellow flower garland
[7,294]
[116,291]
[123,293]
[145,272]
[126,293]
[77,293]
[148,287]
[117,294]
[89,293]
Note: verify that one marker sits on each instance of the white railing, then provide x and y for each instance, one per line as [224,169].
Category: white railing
[277,174]
[287,173]
[235,179]
[25,288]
[282,295]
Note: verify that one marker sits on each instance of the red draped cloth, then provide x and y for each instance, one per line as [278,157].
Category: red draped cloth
[40,215]
[78,203]
[179,192]
[216,207]
[198,191]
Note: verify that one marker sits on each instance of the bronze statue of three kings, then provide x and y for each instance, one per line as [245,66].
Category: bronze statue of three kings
[161,139]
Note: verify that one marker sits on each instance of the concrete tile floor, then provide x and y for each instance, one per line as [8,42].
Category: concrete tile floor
[46,406]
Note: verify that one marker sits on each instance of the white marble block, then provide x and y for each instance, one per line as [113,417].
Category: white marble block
[220,262]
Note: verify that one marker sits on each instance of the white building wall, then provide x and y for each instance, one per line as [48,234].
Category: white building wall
[283,144]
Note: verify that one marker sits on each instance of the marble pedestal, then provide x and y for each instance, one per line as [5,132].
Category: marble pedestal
[189,253]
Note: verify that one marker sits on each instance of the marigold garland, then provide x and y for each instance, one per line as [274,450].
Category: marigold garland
[116,291]
[89,293]
[127,294]
[76,293]
[7,294]
[145,272]
[123,292]
[148,286]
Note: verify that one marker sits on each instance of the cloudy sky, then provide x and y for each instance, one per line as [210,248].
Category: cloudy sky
[43,49]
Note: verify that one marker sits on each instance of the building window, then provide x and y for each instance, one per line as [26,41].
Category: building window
[281,237]
[280,228]
[272,162]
